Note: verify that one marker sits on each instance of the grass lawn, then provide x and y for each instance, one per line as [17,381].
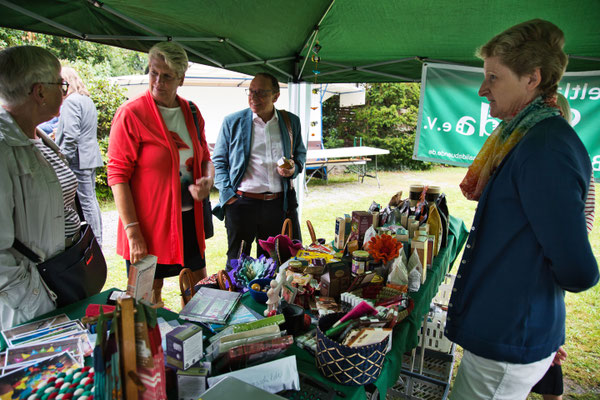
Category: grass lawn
[343,194]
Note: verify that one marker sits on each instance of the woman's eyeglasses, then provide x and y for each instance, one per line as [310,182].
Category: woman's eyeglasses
[64,86]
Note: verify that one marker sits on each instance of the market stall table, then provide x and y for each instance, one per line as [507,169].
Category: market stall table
[404,337]
[357,156]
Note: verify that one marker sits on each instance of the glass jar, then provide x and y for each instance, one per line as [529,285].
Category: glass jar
[359,261]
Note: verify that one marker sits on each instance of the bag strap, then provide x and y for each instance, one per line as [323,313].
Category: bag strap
[288,125]
[20,246]
[26,251]
[195,115]
[286,119]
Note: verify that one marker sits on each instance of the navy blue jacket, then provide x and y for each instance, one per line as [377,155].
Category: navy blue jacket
[527,245]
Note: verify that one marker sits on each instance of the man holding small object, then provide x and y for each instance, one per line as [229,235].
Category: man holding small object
[257,155]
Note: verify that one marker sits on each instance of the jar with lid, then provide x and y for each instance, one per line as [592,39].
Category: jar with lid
[295,266]
[359,261]
[433,192]
[415,194]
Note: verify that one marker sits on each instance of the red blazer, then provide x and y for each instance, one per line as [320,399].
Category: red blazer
[142,152]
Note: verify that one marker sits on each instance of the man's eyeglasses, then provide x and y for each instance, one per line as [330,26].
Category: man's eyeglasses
[258,93]
[64,86]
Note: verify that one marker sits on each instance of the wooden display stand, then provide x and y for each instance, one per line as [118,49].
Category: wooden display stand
[127,345]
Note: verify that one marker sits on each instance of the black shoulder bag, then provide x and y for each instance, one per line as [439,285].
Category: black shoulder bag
[209,229]
[76,273]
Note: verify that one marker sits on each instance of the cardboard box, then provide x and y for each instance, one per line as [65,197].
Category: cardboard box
[336,280]
[191,383]
[361,221]
[340,232]
[343,227]
[419,244]
[184,346]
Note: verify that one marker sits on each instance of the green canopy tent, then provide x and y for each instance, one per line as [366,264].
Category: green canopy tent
[312,40]
[351,40]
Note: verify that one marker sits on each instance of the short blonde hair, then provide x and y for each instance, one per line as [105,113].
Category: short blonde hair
[530,45]
[23,66]
[76,85]
[172,54]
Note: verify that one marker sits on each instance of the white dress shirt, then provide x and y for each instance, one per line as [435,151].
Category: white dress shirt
[266,148]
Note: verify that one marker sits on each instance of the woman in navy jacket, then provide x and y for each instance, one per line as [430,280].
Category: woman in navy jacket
[528,242]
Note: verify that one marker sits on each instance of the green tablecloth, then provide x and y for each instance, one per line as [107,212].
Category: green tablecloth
[404,337]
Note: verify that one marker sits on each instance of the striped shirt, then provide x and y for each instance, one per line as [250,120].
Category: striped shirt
[68,183]
[590,204]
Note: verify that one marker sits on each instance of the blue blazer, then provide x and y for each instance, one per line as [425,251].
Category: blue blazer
[232,153]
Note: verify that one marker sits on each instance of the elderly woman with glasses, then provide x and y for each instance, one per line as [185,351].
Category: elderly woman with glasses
[37,188]
[159,170]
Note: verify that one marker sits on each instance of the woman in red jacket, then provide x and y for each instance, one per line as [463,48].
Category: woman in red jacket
[159,170]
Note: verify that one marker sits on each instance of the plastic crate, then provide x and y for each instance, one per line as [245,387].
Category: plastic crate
[434,333]
[411,386]
[442,298]
[436,365]
[432,384]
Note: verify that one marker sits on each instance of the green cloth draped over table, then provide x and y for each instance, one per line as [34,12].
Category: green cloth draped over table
[404,337]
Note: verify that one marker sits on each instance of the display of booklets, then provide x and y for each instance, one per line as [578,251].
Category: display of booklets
[237,339]
[141,278]
[240,315]
[23,382]
[277,319]
[22,356]
[253,353]
[210,305]
[367,336]
[64,330]
[20,330]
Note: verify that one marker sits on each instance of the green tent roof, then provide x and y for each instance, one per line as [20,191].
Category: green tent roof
[360,40]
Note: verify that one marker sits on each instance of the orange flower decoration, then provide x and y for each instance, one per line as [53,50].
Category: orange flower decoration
[384,248]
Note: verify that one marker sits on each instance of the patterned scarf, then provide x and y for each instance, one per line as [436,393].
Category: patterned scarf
[500,143]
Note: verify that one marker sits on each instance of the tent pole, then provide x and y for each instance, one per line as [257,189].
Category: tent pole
[117,14]
[299,100]
[153,38]
[584,58]
[274,60]
[313,37]
[79,35]
[266,62]
[399,77]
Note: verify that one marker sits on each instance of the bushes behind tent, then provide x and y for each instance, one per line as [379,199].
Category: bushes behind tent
[387,120]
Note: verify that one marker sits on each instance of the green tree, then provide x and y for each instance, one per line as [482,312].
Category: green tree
[387,120]
[118,61]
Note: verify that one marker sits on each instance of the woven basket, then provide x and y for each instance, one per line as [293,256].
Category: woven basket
[353,366]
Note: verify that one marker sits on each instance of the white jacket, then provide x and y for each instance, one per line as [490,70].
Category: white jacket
[31,209]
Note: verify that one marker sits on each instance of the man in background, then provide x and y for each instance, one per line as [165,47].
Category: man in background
[258,153]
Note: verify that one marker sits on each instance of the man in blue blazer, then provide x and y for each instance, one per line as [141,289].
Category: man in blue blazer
[254,190]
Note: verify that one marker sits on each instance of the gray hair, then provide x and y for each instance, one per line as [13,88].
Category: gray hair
[23,66]
[172,54]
